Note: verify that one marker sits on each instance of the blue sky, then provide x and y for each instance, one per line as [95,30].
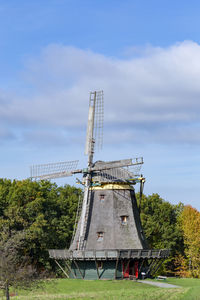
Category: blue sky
[145,55]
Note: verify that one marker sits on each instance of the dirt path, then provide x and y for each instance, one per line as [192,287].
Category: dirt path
[159,284]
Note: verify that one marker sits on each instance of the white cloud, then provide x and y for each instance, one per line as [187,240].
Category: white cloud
[154,95]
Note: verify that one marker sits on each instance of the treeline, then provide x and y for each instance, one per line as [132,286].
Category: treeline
[45,213]
[175,227]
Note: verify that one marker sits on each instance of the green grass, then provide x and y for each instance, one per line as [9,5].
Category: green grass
[111,289]
[191,284]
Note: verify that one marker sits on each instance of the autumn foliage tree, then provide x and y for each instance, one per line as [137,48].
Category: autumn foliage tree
[190,223]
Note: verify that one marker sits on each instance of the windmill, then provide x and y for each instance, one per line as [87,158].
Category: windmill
[108,241]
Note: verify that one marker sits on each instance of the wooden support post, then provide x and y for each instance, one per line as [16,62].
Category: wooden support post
[97,269]
[62,268]
[70,269]
[149,267]
[157,262]
[158,266]
[117,261]
[78,269]
[154,265]
[127,265]
[139,271]
[74,274]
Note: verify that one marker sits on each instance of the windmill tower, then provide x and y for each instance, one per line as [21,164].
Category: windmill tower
[108,240]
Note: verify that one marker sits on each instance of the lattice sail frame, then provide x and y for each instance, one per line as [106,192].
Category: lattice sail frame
[94,136]
[122,174]
[53,170]
[99,120]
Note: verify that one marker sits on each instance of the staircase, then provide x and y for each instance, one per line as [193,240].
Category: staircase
[82,242]
[78,214]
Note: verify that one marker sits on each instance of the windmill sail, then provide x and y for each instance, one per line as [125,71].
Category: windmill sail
[54,170]
[90,128]
[99,120]
[94,136]
[117,164]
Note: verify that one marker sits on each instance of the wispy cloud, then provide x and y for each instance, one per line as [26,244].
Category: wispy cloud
[153,96]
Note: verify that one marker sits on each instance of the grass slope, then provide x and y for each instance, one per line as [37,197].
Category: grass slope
[83,289]
[192,286]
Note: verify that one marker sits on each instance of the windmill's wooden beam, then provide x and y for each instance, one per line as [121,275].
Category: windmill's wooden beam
[56,175]
[117,164]
[62,268]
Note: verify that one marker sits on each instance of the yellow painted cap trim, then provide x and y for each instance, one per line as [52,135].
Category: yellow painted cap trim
[112,186]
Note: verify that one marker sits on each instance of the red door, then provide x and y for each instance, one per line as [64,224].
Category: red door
[136,269]
[125,267]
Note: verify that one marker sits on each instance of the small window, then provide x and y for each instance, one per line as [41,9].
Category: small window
[100,236]
[124,220]
[101,197]
[100,265]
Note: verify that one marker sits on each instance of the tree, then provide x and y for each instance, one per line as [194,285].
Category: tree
[15,268]
[44,211]
[159,221]
[5,185]
[161,227]
[190,222]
